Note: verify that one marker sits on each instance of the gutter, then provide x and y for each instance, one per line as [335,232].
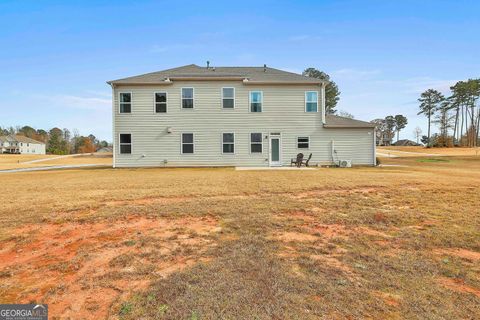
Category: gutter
[245,81]
[114,143]
[347,126]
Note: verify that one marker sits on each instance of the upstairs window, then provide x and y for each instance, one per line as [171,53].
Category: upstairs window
[228,144]
[256,143]
[228,98]
[303,142]
[187,143]
[187,98]
[160,102]
[125,143]
[256,100]
[125,102]
[311,101]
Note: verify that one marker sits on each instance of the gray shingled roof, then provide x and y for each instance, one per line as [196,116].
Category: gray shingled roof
[333,121]
[253,74]
[19,138]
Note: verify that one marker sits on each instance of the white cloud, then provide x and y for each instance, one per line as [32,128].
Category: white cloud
[357,74]
[420,84]
[373,96]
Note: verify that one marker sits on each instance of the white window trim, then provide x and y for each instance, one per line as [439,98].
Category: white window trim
[250,100]
[155,102]
[234,100]
[306,92]
[131,144]
[296,143]
[181,142]
[250,145]
[234,142]
[131,102]
[181,98]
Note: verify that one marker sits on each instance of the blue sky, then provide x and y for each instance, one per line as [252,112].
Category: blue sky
[55,56]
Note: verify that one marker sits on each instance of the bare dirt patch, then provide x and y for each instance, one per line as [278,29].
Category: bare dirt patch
[324,192]
[70,265]
[389,299]
[458,285]
[334,263]
[469,255]
[295,236]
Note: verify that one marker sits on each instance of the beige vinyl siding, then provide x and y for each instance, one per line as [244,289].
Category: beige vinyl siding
[283,111]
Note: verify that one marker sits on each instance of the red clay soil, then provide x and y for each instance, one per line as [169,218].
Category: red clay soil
[465,254]
[389,299]
[81,270]
[458,285]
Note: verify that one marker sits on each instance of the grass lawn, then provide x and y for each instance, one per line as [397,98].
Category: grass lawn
[16,161]
[383,243]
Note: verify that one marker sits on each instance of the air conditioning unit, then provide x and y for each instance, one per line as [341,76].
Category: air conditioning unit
[345,163]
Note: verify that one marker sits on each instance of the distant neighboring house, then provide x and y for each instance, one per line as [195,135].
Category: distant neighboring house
[406,142]
[21,145]
[105,150]
[230,116]
[384,138]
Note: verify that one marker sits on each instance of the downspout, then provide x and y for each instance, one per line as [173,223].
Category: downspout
[332,144]
[323,102]
[374,147]
[114,143]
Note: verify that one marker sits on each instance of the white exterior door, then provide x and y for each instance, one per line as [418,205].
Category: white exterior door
[275,152]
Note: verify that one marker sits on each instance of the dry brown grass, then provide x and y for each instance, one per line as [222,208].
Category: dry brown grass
[392,242]
[14,161]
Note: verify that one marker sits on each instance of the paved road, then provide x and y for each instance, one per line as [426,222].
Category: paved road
[388,155]
[55,158]
[73,166]
[391,153]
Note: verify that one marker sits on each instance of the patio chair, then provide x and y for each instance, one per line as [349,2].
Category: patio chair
[305,162]
[297,161]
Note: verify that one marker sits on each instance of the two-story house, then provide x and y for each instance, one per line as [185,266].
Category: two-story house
[21,145]
[230,116]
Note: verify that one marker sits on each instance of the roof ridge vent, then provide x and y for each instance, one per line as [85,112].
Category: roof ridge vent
[264,68]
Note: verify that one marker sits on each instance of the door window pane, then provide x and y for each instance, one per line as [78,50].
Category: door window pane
[275,149]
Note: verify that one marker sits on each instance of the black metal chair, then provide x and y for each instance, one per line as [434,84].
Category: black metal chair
[297,161]
[305,162]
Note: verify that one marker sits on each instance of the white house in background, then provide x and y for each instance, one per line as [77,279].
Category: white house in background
[21,145]
[230,116]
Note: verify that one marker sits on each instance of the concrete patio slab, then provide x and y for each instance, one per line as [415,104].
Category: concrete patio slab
[273,168]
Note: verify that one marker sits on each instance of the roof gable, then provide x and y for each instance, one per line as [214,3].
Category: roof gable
[194,72]
[333,121]
[19,138]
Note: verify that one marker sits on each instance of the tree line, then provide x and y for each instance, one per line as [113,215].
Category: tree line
[59,141]
[386,128]
[457,116]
